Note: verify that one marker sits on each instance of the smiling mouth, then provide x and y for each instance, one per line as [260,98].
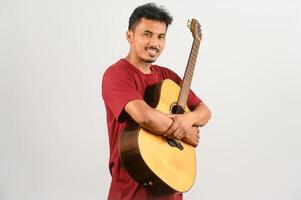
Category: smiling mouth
[152,50]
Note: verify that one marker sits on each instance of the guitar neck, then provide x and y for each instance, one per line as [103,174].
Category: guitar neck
[185,87]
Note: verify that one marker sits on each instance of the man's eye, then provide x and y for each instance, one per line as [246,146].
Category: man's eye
[161,37]
[147,34]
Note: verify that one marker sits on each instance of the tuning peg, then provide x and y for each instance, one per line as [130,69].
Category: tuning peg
[189,23]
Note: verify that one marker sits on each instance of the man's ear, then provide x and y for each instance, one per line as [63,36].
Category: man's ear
[130,36]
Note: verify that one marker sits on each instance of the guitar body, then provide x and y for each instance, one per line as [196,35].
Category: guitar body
[149,158]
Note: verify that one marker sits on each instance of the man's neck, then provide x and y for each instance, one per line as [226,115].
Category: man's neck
[142,66]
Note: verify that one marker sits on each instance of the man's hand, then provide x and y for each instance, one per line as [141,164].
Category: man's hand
[182,128]
[193,137]
[182,124]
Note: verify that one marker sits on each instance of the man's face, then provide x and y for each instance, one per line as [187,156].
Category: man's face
[147,40]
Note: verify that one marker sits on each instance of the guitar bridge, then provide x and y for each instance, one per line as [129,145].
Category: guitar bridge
[175,143]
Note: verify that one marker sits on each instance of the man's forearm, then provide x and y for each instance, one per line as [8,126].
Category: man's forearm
[200,115]
[159,123]
[156,122]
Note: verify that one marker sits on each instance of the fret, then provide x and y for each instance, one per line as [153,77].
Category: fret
[185,89]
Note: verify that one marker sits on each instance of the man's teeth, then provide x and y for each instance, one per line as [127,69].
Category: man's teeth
[152,50]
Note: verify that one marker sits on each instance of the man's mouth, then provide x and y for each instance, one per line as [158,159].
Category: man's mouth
[152,50]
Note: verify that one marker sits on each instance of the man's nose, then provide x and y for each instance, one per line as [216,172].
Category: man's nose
[153,41]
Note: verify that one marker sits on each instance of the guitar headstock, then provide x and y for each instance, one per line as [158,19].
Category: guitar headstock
[195,28]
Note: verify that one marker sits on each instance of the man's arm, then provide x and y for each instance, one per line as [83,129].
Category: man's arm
[147,117]
[185,126]
[173,126]
[201,115]
[183,122]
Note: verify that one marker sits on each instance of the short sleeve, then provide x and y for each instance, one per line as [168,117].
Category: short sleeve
[117,90]
[193,100]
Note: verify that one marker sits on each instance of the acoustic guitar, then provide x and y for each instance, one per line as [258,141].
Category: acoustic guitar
[163,165]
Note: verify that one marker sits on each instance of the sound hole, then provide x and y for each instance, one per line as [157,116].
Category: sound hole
[176,109]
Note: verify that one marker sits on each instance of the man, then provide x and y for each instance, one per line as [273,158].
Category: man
[123,87]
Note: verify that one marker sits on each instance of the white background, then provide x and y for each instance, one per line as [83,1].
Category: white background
[53,136]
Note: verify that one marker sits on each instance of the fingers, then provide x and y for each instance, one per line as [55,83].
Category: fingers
[178,134]
[171,115]
[193,137]
[180,129]
[194,142]
[175,125]
[198,133]
[171,129]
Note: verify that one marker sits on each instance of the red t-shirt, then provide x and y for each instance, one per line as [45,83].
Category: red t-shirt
[122,83]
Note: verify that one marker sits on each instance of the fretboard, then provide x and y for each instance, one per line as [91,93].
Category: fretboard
[185,87]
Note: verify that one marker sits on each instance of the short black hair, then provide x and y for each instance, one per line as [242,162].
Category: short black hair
[149,11]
